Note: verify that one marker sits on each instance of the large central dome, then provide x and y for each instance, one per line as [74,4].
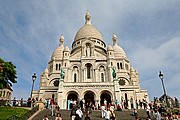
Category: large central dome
[88,30]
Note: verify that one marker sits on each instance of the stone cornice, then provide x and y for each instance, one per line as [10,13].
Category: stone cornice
[87,86]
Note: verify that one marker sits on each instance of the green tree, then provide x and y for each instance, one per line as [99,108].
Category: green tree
[7,73]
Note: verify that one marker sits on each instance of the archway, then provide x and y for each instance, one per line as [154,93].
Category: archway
[89,97]
[126,101]
[72,96]
[105,96]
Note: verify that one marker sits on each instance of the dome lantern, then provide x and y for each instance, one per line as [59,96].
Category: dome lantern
[114,38]
[88,17]
[61,40]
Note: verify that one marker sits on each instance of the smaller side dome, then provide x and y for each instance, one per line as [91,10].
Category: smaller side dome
[58,52]
[109,48]
[118,51]
[66,49]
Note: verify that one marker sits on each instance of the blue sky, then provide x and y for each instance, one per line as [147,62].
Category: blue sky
[148,31]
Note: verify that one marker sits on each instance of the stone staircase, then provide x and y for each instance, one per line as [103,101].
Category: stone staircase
[96,115]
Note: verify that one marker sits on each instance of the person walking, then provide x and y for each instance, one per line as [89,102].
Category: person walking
[45,117]
[79,113]
[58,117]
[73,113]
[52,109]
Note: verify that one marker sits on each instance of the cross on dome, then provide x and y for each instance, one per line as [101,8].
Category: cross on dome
[88,17]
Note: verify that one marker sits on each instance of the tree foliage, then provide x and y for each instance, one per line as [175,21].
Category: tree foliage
[7,74]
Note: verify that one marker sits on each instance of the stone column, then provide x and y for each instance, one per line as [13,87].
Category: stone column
[60,94]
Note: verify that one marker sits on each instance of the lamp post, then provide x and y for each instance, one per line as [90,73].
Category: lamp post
[33,79]
[161,78]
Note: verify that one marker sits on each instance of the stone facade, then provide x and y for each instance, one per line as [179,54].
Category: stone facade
[88,71]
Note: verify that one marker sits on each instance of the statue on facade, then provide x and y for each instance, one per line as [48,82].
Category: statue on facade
[113,73]
[88,51]
[62,74]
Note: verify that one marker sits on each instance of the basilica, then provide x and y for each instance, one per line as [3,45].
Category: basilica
[88,69]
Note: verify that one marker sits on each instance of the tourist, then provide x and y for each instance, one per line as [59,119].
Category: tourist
[14,101]
[119,108]
[140,104]
[176,102]
[22,102]
[137,104]
[107,114]
[87,117]
[58,117]
[113,116]
[73,113]
[45,117]
[147,112]
[156,114]
[52,108]
[116,103]
[105,102]
[69,102]
[103,111]
[135,113]
[131,102]
[79,113]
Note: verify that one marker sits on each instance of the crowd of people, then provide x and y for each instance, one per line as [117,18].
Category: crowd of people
[81,109]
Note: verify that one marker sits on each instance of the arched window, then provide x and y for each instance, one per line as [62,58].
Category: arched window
[88,71]
[102,73]
[75,77]
[75,74]
[102,77]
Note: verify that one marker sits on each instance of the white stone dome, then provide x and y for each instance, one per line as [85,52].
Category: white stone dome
[66,49]
[118,51]
[88,30]
[58,53]
[109,48]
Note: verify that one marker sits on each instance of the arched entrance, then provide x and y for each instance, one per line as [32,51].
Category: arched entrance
[89,97]
[105,96]
[72,96]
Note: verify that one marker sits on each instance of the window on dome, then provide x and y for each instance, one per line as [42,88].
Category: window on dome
[118,65]
[78,42]
[56,66]
[121,66]
[98,42]
[65,64]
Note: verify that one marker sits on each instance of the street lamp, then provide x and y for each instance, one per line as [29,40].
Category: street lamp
[161,78]
[33,79]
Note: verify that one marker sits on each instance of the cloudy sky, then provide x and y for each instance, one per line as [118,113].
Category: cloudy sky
[148,31]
